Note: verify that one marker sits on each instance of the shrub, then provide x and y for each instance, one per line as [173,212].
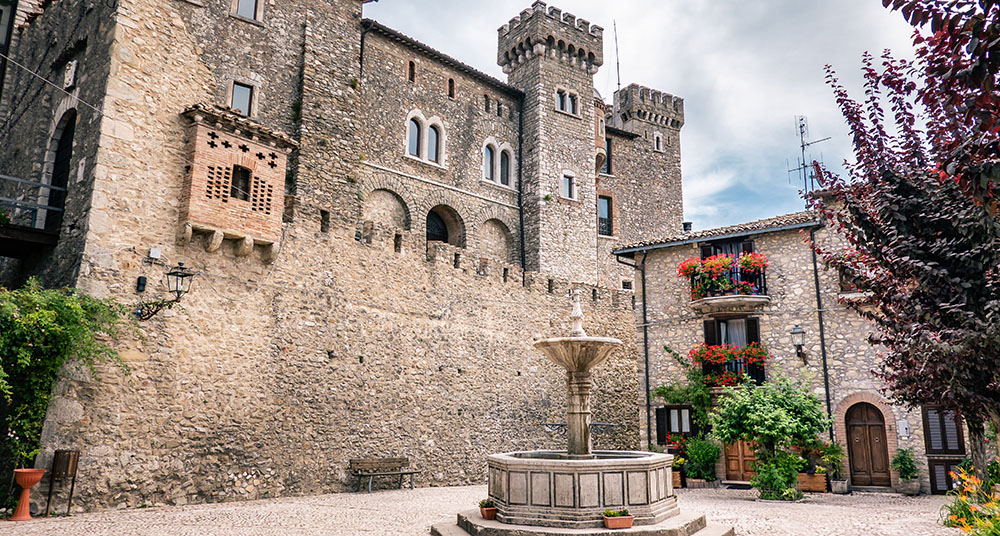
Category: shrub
[616,513]
[832,456]
[905,463]
[777,476]
[487,503]
[702,455]
[975,509]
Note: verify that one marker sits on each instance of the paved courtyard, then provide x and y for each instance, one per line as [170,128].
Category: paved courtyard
[411,512]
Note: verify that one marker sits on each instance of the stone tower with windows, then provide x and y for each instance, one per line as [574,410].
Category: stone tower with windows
[552,57]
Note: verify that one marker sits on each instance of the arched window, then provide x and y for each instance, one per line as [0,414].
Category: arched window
[499,109]
[658,142]
[60,172]
[451,88]
[432,143]
[437,229]
[505,168]
[488,161]
[414,145]
[411,73]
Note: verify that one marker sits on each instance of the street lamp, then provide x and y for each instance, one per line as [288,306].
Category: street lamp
[178,281]
[799,340]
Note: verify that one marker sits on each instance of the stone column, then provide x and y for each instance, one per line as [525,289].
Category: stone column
[578,385]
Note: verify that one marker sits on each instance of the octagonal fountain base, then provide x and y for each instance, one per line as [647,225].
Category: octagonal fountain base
[547,488]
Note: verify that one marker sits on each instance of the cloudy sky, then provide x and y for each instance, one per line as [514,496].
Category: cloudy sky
[744,68]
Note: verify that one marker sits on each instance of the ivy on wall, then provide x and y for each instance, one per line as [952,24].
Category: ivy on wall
[40,330]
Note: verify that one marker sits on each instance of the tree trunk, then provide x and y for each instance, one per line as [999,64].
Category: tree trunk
[977,446]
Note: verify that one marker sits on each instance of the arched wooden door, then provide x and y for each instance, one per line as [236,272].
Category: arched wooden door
[867,452]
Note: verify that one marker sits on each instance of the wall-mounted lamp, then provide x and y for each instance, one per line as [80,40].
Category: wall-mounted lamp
[178,280]
[799,340]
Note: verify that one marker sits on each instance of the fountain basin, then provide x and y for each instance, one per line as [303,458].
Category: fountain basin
[548,488]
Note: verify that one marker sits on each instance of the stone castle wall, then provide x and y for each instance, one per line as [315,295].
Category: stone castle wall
[791,287]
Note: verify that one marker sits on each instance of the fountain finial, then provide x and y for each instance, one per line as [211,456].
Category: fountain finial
[576,317]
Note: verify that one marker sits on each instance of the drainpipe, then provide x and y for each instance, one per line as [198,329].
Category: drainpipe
[520,185]
[645,339]
[822,331]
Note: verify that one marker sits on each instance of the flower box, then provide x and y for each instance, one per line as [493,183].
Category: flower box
[618,522]
[812,483]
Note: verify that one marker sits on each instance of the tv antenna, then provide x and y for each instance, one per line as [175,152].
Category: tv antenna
[618,68]
[804,169]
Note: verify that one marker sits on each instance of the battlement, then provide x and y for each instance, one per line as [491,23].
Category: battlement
[636,102]
[547,31]
[467,264]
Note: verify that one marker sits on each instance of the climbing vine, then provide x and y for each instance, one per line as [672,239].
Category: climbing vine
[40,330]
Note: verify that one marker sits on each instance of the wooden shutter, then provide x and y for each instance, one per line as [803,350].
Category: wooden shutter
[661,426]
[942,431]
[753,330]
[707,251]
[711,333]
[747,246]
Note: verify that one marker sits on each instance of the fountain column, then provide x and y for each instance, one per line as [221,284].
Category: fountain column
[578,385]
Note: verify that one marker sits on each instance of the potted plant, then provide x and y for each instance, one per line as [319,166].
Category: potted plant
[487,509]
[752,263]
[678,469]
[832,458]
[813,480]
[617,519]
[905,464]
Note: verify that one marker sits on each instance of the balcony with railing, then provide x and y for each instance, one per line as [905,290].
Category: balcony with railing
[31,214]
[725,365]
[725,284]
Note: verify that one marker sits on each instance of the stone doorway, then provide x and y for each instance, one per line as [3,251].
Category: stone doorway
[867,452]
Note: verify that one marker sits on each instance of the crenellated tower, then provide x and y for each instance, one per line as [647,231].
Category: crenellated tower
[552,56]
[649,112]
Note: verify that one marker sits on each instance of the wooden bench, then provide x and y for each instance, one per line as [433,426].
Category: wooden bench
[372,467]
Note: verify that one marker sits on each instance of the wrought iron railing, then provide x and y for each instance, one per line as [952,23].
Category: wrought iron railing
[31,204]
[735,277]
[738,367]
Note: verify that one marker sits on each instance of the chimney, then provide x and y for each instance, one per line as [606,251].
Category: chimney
[687,226]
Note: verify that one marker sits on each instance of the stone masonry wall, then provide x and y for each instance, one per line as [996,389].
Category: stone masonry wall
[791,289]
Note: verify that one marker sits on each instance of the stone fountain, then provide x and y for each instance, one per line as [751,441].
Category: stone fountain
[542,492]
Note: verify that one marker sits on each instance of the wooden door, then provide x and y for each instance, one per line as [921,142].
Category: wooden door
[867,452]
[739,461]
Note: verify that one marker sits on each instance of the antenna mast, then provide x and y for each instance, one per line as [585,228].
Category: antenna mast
[808,179]
[618,68]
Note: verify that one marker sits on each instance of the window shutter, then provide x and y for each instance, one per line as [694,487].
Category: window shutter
[661,426]
[753,330]
[748,246]
[706,251]
[711,333]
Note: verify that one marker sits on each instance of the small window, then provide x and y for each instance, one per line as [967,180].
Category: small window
[673,420]
[626,285]
[568,187]
[561,100]
[505,168]
[488,161]
[573,105]
[246,9]
[242,98]
[604,223]
[411,73]
[239,188]
[486,102]
[606,168]
[414,137]
[451,88]
[658,142]
[432,143]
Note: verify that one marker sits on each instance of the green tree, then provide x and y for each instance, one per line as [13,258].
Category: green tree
[775,416]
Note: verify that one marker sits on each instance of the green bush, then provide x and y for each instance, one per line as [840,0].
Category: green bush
[905,464]
[616,513]
[702,455]
[777,477]
[487,503]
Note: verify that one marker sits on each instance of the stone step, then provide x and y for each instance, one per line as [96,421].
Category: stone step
[712,529]
[684,524]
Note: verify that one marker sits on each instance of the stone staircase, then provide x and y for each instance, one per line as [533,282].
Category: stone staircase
[470,523]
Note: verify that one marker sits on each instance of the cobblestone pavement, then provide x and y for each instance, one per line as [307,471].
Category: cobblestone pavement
[411,512]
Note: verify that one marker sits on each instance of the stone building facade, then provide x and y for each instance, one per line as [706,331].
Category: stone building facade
[369,277]
[836,360]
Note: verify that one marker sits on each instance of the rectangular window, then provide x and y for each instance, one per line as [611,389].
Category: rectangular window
[673,420]
[246,9]
[604,223]
[568,187]
[240,187]
[6,27]
[561,100]
[942,431]
[606,168]
[242,98]
[738,332]
[626,285]
[572,105]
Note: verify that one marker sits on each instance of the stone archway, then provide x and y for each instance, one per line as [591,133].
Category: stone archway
[840,425]
[444,224]
[496,241]
[386,207]
[58,165]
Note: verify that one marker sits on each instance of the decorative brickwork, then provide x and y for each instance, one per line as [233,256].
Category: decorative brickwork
[840,425]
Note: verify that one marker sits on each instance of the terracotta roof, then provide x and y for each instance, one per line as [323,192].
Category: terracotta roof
[795,220]
[621,132]
[395,35]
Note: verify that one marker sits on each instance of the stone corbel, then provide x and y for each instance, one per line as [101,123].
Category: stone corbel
[214,241]
[245,247]
[184,236]
[271,252]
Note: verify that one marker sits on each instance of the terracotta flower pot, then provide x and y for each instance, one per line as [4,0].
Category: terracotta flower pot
[618,522]
[488,513]
[677,479]
[26,478]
